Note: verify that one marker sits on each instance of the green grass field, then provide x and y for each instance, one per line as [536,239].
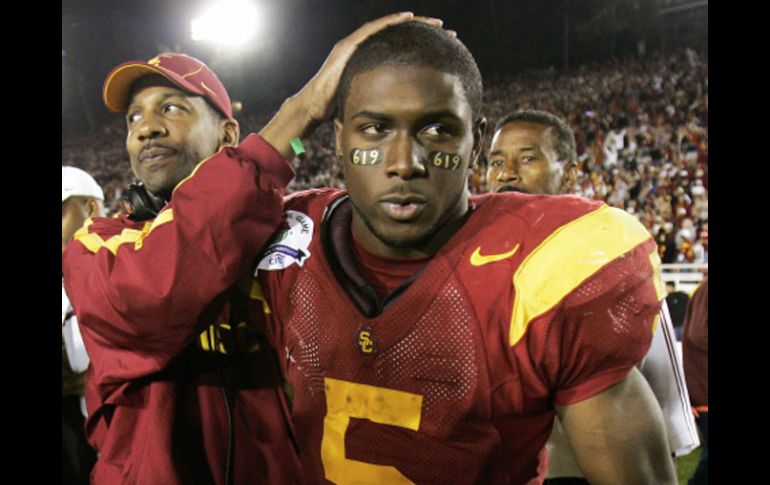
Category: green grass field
[685,466]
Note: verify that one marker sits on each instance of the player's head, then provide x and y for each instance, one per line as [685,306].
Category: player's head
[81,198]
[532,151]
[415,44]
[670,287]
[178,113]
[408,127]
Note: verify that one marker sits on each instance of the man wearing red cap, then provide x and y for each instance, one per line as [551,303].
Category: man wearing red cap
[181,389]
[161,408]
[135,86]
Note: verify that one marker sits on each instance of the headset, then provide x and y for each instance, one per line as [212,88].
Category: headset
[140,204]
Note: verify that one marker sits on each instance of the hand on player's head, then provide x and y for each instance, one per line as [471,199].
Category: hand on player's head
[320,91]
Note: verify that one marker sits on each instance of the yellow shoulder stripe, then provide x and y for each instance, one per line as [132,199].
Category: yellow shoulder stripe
[568,257]
[94,242]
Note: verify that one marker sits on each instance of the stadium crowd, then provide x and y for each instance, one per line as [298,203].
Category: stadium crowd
[640,123]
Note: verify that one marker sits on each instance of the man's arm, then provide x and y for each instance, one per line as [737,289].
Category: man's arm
[140,290]
[618,435]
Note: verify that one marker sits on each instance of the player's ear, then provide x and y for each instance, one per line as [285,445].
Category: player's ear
[569,178]
[229,132]
[92,207]
[479,127]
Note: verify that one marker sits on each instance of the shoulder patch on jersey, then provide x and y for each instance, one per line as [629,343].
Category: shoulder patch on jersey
[290,245]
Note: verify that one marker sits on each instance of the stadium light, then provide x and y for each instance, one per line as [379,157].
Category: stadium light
[227,22]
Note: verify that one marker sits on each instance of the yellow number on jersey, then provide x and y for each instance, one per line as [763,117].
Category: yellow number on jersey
[345,400]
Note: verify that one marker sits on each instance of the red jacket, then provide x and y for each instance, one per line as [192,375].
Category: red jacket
[153,301]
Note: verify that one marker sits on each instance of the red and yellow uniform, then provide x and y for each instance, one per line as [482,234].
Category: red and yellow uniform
[535,301]
[173,393]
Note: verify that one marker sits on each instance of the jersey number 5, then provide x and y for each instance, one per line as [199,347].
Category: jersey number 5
[345,400]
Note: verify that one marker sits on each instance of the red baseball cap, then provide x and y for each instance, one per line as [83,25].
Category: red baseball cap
[190,74]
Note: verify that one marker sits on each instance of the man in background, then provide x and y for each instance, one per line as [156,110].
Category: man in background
[81,198]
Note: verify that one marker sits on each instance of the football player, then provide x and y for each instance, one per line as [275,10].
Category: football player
[430,336]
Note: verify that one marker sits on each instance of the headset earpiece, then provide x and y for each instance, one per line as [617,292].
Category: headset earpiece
[140,204]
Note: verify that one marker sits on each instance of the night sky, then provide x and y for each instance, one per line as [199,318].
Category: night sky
[506,37]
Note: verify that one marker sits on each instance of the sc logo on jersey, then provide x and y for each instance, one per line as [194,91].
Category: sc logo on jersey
[365,341]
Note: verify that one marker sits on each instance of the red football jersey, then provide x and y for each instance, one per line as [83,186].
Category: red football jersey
[536,300]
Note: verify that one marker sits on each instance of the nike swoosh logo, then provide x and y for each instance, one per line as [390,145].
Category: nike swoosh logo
[477,259]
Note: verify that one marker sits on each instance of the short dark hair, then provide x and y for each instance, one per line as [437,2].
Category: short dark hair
[565,138]
[416,44]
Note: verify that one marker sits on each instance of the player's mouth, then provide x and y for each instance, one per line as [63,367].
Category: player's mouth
[508,188]
[154,154]
[402,207]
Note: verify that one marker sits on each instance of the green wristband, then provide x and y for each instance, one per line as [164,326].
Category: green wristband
[297,146]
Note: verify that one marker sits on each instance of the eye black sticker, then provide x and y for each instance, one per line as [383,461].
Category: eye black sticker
[359,156]
[447,161]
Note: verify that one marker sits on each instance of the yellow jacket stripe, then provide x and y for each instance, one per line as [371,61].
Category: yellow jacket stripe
[569,256]
[94,242]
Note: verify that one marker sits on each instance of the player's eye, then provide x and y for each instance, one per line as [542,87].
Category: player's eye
[133,117]
[436,129]
[173,108]
[372,128]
